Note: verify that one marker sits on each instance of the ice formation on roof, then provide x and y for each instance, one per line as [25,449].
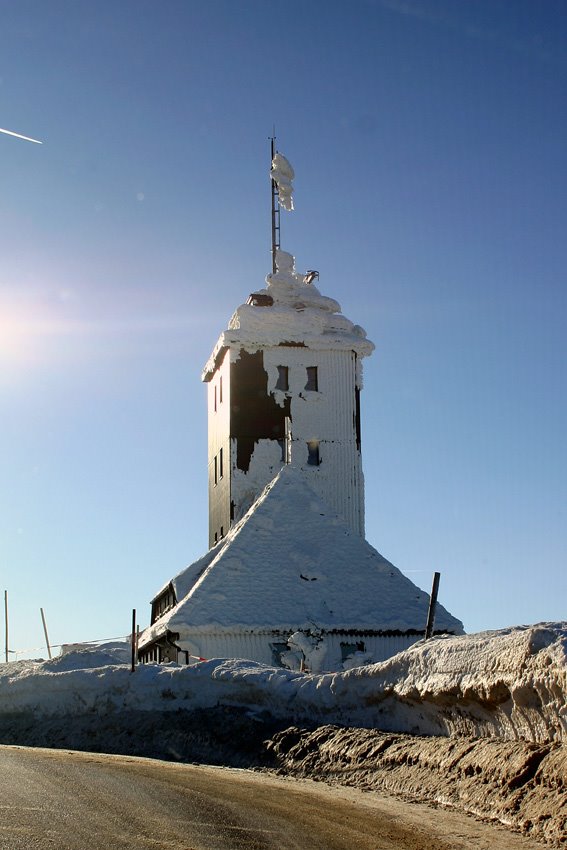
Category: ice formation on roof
[296,312]
[292,563]
[282,174]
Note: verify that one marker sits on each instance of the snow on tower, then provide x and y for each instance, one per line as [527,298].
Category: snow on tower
[284,384]
[289,578]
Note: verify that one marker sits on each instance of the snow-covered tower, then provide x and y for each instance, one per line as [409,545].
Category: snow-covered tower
[286,496]
[284,384]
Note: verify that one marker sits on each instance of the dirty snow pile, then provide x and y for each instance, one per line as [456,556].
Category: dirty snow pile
[497,699]
[510,684]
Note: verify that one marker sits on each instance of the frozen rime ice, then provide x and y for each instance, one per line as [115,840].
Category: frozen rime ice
[299,315]
[282,174]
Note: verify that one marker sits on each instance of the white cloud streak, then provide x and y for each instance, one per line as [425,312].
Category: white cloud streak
[19,136]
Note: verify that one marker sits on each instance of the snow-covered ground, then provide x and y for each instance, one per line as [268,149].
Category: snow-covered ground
[510,684]
[497,699]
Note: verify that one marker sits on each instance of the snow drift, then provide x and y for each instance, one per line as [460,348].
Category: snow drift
[497,699]
[510,684]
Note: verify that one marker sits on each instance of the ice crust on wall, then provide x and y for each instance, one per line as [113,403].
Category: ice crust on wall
[265,463]
[301,328]
[299,314]
[326,416]
[509,684]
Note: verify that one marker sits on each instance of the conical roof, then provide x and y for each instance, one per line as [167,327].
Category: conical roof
[291,563]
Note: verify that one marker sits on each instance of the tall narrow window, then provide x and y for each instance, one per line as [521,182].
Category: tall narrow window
[283,378]
[313,453]
[216,465]
[215,392]
[221,473]
[220,390]
[357,416]
[312,381]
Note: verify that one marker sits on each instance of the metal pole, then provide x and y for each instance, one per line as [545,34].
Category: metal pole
[6,620]
[45,632]
[274,207]
[432,606]
[133,639]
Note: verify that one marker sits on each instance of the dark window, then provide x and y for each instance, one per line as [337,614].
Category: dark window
[222,531]
[216,537]
[312,381]
[313,453]
[216,469]
[283,378]
[220,390]
[259,299]
[357,416]
[221,472]
[215,392]
[277,650]
[350,648]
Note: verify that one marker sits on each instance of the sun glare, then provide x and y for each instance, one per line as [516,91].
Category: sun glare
[16,342]
[22,328]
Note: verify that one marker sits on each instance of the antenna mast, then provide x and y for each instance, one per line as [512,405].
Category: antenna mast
[275,208]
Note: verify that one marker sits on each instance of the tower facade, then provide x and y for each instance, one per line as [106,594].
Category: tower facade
[284,384]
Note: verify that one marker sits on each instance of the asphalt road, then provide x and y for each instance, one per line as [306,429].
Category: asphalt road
[81,801]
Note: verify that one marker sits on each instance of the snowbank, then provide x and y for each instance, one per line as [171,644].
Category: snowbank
[510,684]
[515,783]
[484,693]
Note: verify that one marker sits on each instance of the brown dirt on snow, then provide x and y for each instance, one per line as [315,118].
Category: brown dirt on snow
[518,783]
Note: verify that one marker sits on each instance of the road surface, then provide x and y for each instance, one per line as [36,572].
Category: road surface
[82,801]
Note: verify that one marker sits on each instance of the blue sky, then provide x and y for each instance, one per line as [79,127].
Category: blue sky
[428,139]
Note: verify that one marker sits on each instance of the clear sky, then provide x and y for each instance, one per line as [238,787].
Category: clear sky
[428,139]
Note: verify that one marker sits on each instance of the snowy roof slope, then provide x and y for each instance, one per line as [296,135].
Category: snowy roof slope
[292,563]
[298,313]
[184,581]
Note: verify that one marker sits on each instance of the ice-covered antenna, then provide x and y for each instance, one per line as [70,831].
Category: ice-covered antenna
[275,207]
[19,136]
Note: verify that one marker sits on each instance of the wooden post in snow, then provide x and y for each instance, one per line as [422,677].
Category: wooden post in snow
[45,632]
[432,606]
[6,621]
[133,639]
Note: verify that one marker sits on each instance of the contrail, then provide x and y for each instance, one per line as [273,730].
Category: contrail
[19,136]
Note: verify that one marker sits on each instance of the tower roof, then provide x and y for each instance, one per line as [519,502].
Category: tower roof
[289,564]
[290,310]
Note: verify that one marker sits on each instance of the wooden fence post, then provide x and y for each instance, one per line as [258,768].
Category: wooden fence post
[133,639]
[6,621]
[432,606]
[45,633]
